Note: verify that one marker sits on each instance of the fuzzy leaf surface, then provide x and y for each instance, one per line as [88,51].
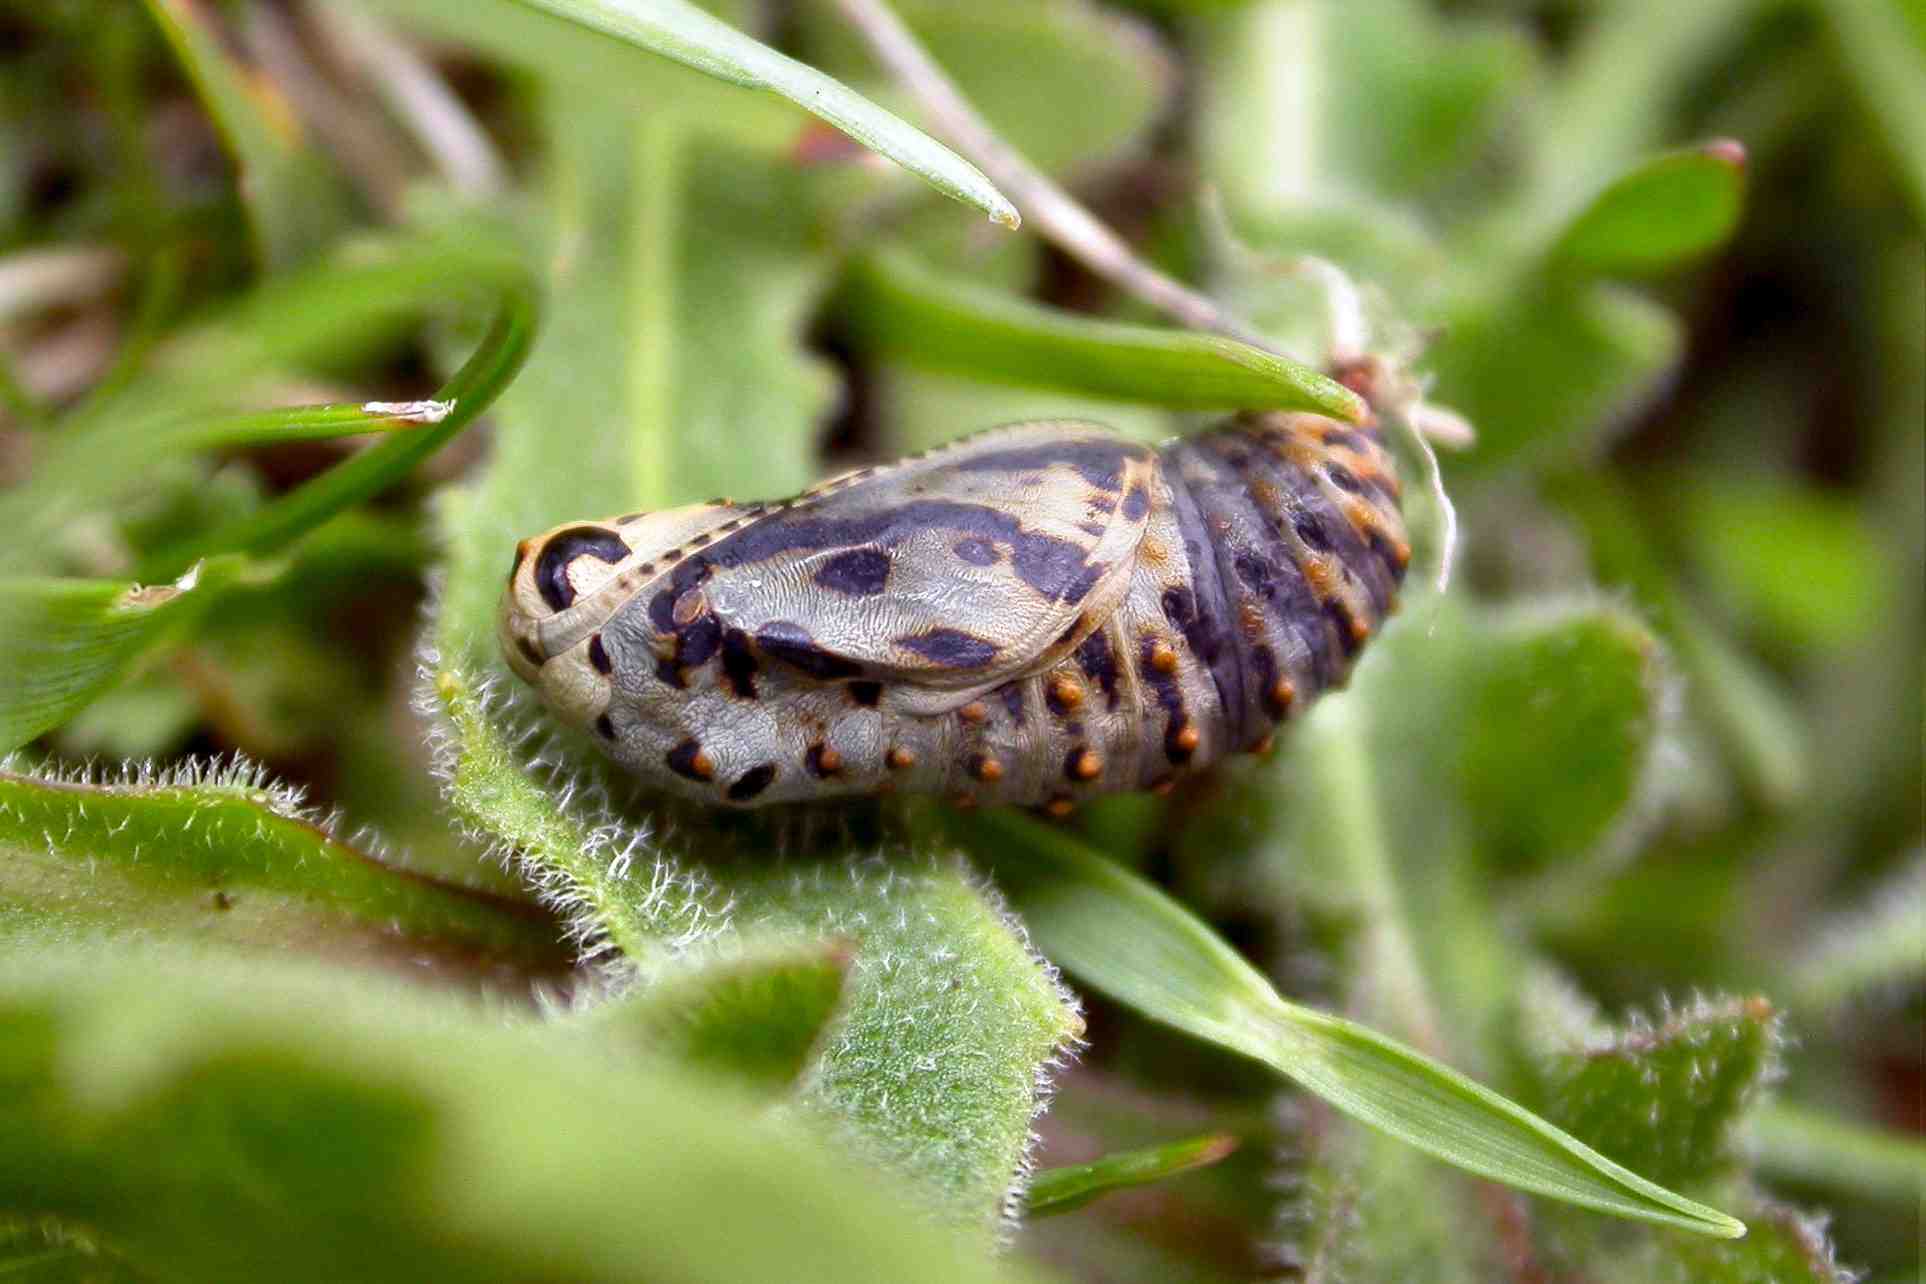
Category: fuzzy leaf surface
[221,853]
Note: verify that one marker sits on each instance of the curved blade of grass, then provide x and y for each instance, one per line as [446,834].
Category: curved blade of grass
[217,851]
[104,448]
[1066,1189]
[679,31]
[67,640]
[1134,943]
[1669,209]
[903,310]
[291,204]
[456,405]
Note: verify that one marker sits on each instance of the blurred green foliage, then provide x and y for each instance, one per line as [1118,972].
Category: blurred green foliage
[1625,823]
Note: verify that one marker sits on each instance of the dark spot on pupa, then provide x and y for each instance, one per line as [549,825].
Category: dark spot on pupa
[1080,587]
[1344,479]
[697,642]
[1098,664]
[607,728]
[1264,665]
[1311,532]
[1012,696]
[951,648]
[551,568]
[1339,613]
[813,759]
[1137,503]
[859,572]
[866,693]
[1093,529]
[791,644]
[752,782]
[739,664]
[598,654]
[977,552]
[1347,439]
[528,649]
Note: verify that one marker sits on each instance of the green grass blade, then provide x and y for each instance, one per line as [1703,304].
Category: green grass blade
[456,405]
[679,31]
[1134,943]
[292,204]
[67,640]
[1066,1189]
[1667,210]
[906,312]
[221,853]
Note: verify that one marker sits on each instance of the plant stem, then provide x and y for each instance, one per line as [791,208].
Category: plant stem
[1058,215]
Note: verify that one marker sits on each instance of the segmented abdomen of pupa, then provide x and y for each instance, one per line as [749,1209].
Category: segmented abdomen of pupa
[1034,615]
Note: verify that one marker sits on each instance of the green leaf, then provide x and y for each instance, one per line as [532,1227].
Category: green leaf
[1762,734]
[1546,369]
[1066,1189]
[685,34]
[1802,566]
[216,1119]
[1129,940]
[220,852]
[69,640]
[293,204]
[1667,1095]
[1672,208]
[904,311]
[1556,733]
[757,1015]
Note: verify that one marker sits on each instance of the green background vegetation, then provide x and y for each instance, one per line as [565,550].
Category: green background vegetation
[323,955]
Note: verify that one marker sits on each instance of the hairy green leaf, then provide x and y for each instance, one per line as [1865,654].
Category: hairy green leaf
[221,852]
[757,1014]
[1667,1095]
